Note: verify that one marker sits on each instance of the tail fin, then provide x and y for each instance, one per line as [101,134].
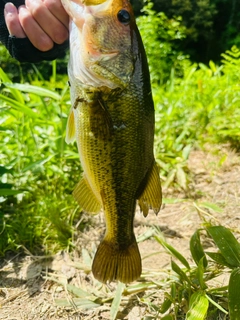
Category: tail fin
[114,263]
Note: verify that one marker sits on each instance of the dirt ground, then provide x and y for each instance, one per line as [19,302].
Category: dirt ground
[30,286]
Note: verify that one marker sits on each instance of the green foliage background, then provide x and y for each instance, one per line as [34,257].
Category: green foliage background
[212,26]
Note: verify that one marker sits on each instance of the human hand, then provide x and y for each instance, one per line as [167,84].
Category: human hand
[44,22]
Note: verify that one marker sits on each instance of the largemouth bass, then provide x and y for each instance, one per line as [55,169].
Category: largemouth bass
[112,120]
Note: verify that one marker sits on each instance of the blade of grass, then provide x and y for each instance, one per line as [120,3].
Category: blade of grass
[19,106]
[35,90]
[117,300]
[6,81]
[216,304]
[173,251]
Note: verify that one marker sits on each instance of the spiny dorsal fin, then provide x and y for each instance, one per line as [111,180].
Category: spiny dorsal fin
[151,197]
[70,131]
[85,197]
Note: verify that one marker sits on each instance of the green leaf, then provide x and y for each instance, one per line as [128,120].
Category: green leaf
[16,94]
[200,274]
[219,258]
[198,307]
[173,251]
[78,302]
[170,178]
[34,89]
[78,292]
[4,170]
[172,200]
[38,163]
[180,272]
[86,258]
[181,178]
[234,294]
[139,287]
[166,305]
[6,185]
[213,206]
[117,300]
[227,244]
[216,304]
[9,192]
[197,249]
[168,317]
[21,107]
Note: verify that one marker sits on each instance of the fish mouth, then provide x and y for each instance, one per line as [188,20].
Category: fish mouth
[78,8]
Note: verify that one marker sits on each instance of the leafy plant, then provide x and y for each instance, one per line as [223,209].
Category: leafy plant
[189,290]
[161,37]
[39,170]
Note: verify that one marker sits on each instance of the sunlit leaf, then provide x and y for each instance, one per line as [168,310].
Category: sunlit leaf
[172,200]
[219,258]
[38,163]
[78,292]
[197,249]
[34,89]
[234,294]
[200,273]
[181,178]
[166,305]
[216,304]
[198,307]
[78,302]
[117,300]
[173,251]
[21,107]
[180,272]
[212,206]
[227,244]
[16,93]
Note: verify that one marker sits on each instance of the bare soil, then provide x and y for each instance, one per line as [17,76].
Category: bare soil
[29,286]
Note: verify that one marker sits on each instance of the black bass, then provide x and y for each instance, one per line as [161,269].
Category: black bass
[112,120]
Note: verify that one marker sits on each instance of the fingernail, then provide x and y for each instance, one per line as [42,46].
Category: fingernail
[9,8]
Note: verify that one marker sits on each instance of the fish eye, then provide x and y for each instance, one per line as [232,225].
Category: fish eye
[124,16]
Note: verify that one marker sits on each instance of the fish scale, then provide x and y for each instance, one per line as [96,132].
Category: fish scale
[112,120]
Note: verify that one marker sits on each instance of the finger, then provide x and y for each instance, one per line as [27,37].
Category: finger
[57,9]
[47,21]
[12,21]
[34,32]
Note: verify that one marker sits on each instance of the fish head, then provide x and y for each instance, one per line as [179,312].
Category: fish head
[101,42]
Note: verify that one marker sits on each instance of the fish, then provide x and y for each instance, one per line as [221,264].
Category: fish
[112,121]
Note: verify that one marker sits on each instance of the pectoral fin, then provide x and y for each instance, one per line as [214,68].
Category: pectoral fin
[85,197]
[151,197]
[70,131]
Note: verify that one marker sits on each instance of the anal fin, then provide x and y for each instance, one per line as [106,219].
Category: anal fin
[85,197]
[151,197]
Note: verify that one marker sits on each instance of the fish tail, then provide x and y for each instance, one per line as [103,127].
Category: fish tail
[112,262]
